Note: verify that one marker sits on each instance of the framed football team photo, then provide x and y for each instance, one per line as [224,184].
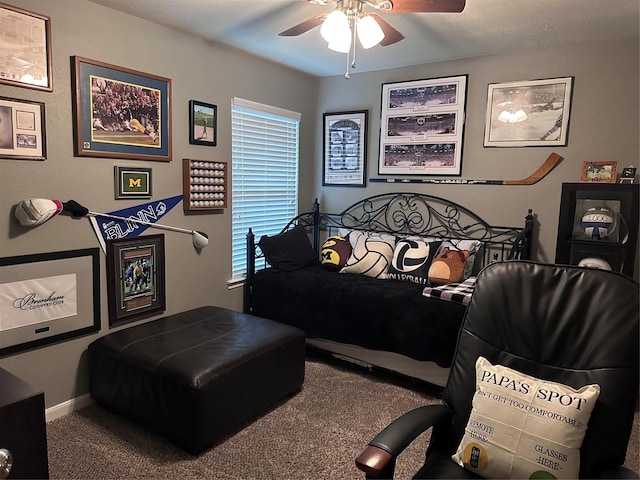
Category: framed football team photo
[142,128]
[345,148]
[422,127]
[135,278]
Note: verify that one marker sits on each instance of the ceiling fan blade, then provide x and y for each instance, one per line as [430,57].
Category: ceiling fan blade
[427,6]
[391,35]
[303,27]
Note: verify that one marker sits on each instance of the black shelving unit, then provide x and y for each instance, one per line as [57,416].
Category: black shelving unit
[618,246]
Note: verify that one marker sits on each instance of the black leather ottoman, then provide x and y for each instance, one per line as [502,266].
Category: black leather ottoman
[197,375]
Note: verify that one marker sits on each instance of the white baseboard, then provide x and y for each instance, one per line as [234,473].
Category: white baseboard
[67,407]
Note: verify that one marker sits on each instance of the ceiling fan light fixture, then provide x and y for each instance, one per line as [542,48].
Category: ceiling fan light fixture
[341,41]
[336,24]
[369,32]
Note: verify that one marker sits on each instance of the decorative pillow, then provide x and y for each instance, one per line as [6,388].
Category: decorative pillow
[457,244]
[290,250]
[448,266]
[335,252]
[412,259]
[524,427]
[354,235]
[371,256]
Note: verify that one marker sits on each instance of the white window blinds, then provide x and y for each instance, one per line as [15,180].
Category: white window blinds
[265,154]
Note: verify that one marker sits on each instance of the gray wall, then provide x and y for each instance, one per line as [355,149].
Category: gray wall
[604,125]
[199,71]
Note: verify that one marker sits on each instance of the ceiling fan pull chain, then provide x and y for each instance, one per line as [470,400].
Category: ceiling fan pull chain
[353,43]
[346,75]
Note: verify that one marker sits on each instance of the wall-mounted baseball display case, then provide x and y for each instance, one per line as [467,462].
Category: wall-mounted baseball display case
[205,184]
[598,226]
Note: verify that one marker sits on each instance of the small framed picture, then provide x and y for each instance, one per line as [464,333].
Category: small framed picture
[599,172]
[22,129]
[203,123]
[628,174]
[345,149]
[132,182]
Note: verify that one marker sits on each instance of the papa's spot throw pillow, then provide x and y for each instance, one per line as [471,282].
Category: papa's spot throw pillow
[524,427]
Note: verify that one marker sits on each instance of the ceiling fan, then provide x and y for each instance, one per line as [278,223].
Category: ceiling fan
[352,19]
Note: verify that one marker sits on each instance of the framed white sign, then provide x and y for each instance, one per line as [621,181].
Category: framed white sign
[48,297]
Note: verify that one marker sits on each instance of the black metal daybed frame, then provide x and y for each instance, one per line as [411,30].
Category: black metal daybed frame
[401,214]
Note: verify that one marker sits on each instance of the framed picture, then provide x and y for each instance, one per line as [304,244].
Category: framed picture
[528,114]
[22,129]
[422,126]
[25,56]
[203,123]
[628,174]
[599,172]
[345,148]
[142,128]
[132,182]
[48,297]
[135,278]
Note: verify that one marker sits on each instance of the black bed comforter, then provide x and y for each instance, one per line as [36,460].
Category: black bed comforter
[377,314]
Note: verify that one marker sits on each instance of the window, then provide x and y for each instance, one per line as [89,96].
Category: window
[264,173]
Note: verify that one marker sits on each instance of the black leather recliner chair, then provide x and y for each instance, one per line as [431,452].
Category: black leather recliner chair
[570,325]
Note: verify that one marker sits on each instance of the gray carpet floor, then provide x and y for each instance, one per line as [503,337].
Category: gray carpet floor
[315,434]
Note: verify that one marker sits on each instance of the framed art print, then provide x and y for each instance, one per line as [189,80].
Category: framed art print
[345,148]
[422,127]
[528,114]
[203,123]
[142,128]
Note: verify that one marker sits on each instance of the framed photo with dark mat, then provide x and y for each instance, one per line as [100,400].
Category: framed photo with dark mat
[135,278]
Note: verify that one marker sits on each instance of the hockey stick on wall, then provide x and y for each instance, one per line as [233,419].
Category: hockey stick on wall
[535,177]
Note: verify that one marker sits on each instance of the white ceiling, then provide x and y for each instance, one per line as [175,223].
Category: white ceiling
[485,27]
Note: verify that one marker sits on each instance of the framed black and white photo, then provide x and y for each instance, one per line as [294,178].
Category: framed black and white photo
[531,113]
[422,127]
[48,297]
[25,55]
[345,148]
